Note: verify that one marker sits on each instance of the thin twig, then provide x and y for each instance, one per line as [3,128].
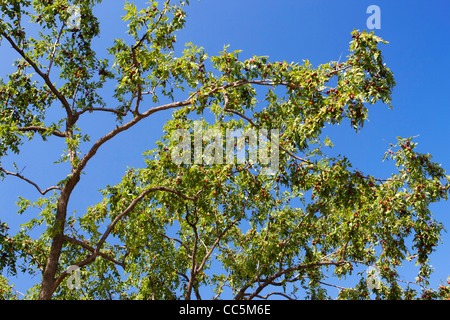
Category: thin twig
[43,192]
[92,249]
[270,279]
[272,293]
[332,285]
[137,45]
[194,270]
[52,57]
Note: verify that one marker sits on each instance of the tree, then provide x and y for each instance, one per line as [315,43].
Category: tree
[174,227]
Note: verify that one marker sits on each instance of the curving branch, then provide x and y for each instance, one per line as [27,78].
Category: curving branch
[43,192]
[270,280]
[118,112]
[131,207]
[272,293]
[140,116]
[92,249]
[194,271]
[124,127]
[44,76]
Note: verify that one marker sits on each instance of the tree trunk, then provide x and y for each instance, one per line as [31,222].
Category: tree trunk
[48,285]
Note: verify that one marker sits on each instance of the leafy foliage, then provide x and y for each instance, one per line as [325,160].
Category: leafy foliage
[168,231]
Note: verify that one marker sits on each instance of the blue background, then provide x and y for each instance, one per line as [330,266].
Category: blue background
[319,30]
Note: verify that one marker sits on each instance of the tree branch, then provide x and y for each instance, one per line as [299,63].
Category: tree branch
[131,207]
[272,293]
[124,127]
[146,114]
[42,129]
[332,285]
[43,192]
[137,45]
[52,57]
[139,86]
[92,249]
[194,270]
[214,245]
[44,76]
[270,279]
[121,113]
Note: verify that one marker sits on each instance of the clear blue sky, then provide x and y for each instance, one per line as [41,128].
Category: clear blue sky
[290,30]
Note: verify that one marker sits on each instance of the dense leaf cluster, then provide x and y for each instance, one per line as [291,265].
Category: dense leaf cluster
[170,231]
